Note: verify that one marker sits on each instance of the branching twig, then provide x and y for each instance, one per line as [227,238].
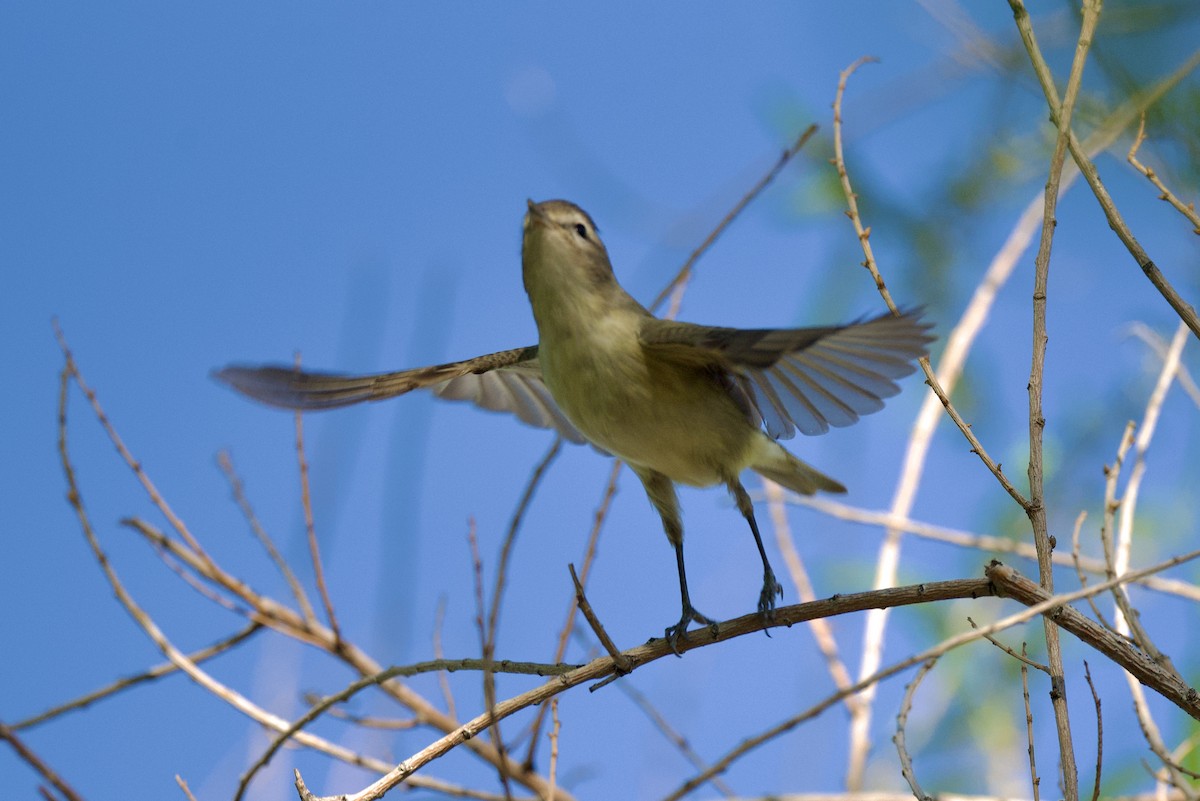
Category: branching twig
[1188,210]
[623,665]
[1115,221]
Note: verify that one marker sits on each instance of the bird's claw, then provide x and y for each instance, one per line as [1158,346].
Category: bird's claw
[766,599]
[689,614]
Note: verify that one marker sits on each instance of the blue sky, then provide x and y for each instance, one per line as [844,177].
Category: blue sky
[186,186]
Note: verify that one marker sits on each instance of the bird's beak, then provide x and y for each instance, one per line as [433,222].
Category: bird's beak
[535,214]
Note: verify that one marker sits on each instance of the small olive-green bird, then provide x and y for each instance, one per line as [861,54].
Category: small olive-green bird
[677,402]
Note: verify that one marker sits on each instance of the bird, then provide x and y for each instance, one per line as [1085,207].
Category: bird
[677,402]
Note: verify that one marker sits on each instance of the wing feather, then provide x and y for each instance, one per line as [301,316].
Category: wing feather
[507,381]
[803,378]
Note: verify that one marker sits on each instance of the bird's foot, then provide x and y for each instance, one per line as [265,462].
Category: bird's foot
[689,614]
[771,590]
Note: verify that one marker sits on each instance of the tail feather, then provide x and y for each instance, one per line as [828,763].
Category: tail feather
[788,471]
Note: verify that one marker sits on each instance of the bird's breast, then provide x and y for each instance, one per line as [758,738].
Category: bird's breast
[672,418]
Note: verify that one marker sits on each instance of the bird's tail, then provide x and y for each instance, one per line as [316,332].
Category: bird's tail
[786,470]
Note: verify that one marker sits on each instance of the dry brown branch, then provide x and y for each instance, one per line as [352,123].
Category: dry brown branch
[1028,592]
[1012,584]
[1188,210]
[658,648]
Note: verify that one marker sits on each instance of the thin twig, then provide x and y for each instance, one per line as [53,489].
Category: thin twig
[488,652]
[623,665]
[1036,510]
[589,556]
[310,526]
[983,542]
[271,613]
[677,739]
[514,526]
[1087,673]
[1188,210]
[1077,561]
[1127,619]
[443,680]
[233,698]
[38,764]
[555,728]
[156,672]
[906,764]
[1159,346]
[183,785]
[1035,780]
[1115,221]
[676,284]
[1021,657]
[151,490]
[225,462]
[316,710]
[958,345]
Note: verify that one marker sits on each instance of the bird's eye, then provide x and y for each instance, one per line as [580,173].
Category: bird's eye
[581,229]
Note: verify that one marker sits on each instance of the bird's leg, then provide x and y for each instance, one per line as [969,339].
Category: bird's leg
[690,612]
[661,492]
[771,588]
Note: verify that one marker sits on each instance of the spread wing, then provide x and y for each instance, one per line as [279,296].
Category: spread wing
[508,381]
[802,378]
